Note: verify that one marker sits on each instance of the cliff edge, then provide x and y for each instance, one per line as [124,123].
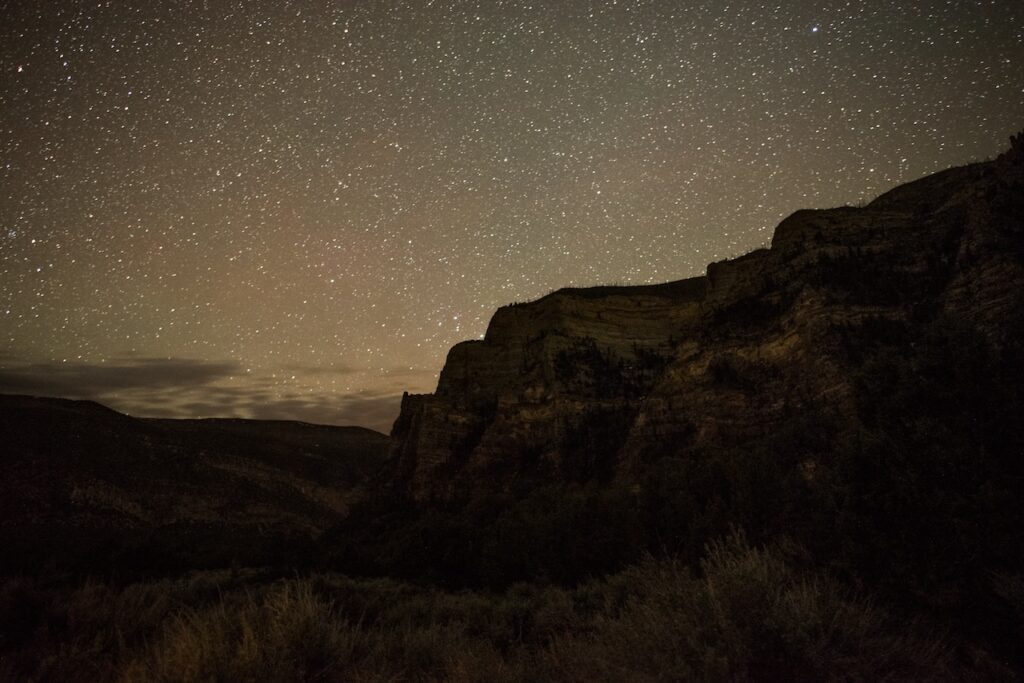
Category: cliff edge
[591,384]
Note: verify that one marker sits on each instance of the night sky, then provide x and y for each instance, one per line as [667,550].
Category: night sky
[292,210]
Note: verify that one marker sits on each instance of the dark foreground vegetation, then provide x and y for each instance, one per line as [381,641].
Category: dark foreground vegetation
[749,614]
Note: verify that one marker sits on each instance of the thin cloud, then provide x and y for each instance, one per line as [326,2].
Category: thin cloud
[184,388]
[307,370]
[363,409]
[87,380]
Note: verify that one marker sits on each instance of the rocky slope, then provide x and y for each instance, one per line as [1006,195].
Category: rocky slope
[84,486]
[593,383]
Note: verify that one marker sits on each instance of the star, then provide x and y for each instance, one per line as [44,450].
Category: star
[289,191]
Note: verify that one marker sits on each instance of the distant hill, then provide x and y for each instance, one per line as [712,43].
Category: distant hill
[83,486]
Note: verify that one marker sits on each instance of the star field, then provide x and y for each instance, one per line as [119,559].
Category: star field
[293,209]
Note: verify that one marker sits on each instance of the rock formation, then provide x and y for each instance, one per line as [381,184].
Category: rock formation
[592,383]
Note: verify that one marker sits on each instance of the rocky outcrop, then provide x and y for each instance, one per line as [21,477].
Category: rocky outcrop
[593,383]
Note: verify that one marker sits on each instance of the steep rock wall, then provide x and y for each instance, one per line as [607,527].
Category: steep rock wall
[594,383]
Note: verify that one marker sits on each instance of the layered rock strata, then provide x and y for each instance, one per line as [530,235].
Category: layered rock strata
[593,383]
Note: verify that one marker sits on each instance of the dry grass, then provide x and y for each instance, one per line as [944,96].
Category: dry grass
[750,616]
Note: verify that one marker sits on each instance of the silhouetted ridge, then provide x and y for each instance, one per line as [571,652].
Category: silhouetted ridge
[85,487]
[690,287]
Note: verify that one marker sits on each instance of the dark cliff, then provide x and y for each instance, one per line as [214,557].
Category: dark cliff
[593,384]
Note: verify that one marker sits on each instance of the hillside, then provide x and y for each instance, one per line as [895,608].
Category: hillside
[84,486]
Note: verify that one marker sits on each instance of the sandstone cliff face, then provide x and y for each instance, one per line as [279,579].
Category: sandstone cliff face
[593,383]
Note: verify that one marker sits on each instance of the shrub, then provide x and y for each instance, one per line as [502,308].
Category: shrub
[751,616]
[750,613]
